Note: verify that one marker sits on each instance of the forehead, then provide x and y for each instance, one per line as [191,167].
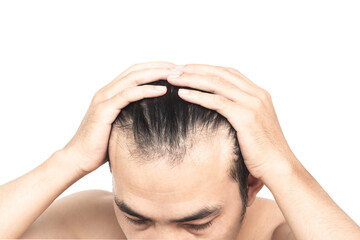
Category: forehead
[202,175]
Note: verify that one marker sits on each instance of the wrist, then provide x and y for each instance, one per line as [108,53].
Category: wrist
[65,161]
[287,167]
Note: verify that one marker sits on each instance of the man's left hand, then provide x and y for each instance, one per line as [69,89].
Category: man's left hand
[247,107]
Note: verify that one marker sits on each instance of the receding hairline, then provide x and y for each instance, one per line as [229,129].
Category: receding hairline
[121,136]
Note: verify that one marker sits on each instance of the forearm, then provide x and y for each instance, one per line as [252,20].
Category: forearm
[24,199]
[307,208]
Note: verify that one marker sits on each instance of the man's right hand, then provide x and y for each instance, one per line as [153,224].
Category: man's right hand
[90,143]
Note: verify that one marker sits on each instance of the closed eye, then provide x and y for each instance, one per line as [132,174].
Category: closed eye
[136,221]
[196,227]
[199,227]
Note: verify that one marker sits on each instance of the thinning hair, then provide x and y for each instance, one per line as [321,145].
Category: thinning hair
[167,126]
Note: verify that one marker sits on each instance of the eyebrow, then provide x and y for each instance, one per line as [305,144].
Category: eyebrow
[200,214]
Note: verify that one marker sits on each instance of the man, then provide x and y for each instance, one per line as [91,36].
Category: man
[178,172]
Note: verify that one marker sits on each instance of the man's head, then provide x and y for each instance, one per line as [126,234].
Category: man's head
[170,159]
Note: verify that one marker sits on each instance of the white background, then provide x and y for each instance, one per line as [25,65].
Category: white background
[54,55]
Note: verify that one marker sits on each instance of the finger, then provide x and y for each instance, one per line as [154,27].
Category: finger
[222,105]
[244,84]
[233,70]
[132,79]
[213,84]
[237,72]
[111,107]
[145,65]
[136,67]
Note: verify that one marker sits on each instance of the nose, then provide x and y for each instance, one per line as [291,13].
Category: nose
[168,234]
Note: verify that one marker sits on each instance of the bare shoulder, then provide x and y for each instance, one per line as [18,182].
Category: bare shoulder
[278,227]
[262,218]
[85,214]
[94,215]
[270,210]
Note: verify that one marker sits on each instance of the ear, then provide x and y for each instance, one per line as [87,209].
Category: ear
[254,186]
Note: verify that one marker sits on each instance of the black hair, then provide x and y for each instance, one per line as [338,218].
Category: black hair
[162,125]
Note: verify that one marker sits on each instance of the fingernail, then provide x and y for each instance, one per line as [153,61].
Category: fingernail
[184,91]
[160,88]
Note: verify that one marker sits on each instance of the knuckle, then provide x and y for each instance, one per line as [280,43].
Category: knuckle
[132,76]
[124,94]
[264,95]
[257,103]
[137,76]
[128,94]
[135,66]
[189,66]
[97,96]
[132,68]
[215,81]
[98,92]
[105,105]
[100,96]
[219,101]
[123,97]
